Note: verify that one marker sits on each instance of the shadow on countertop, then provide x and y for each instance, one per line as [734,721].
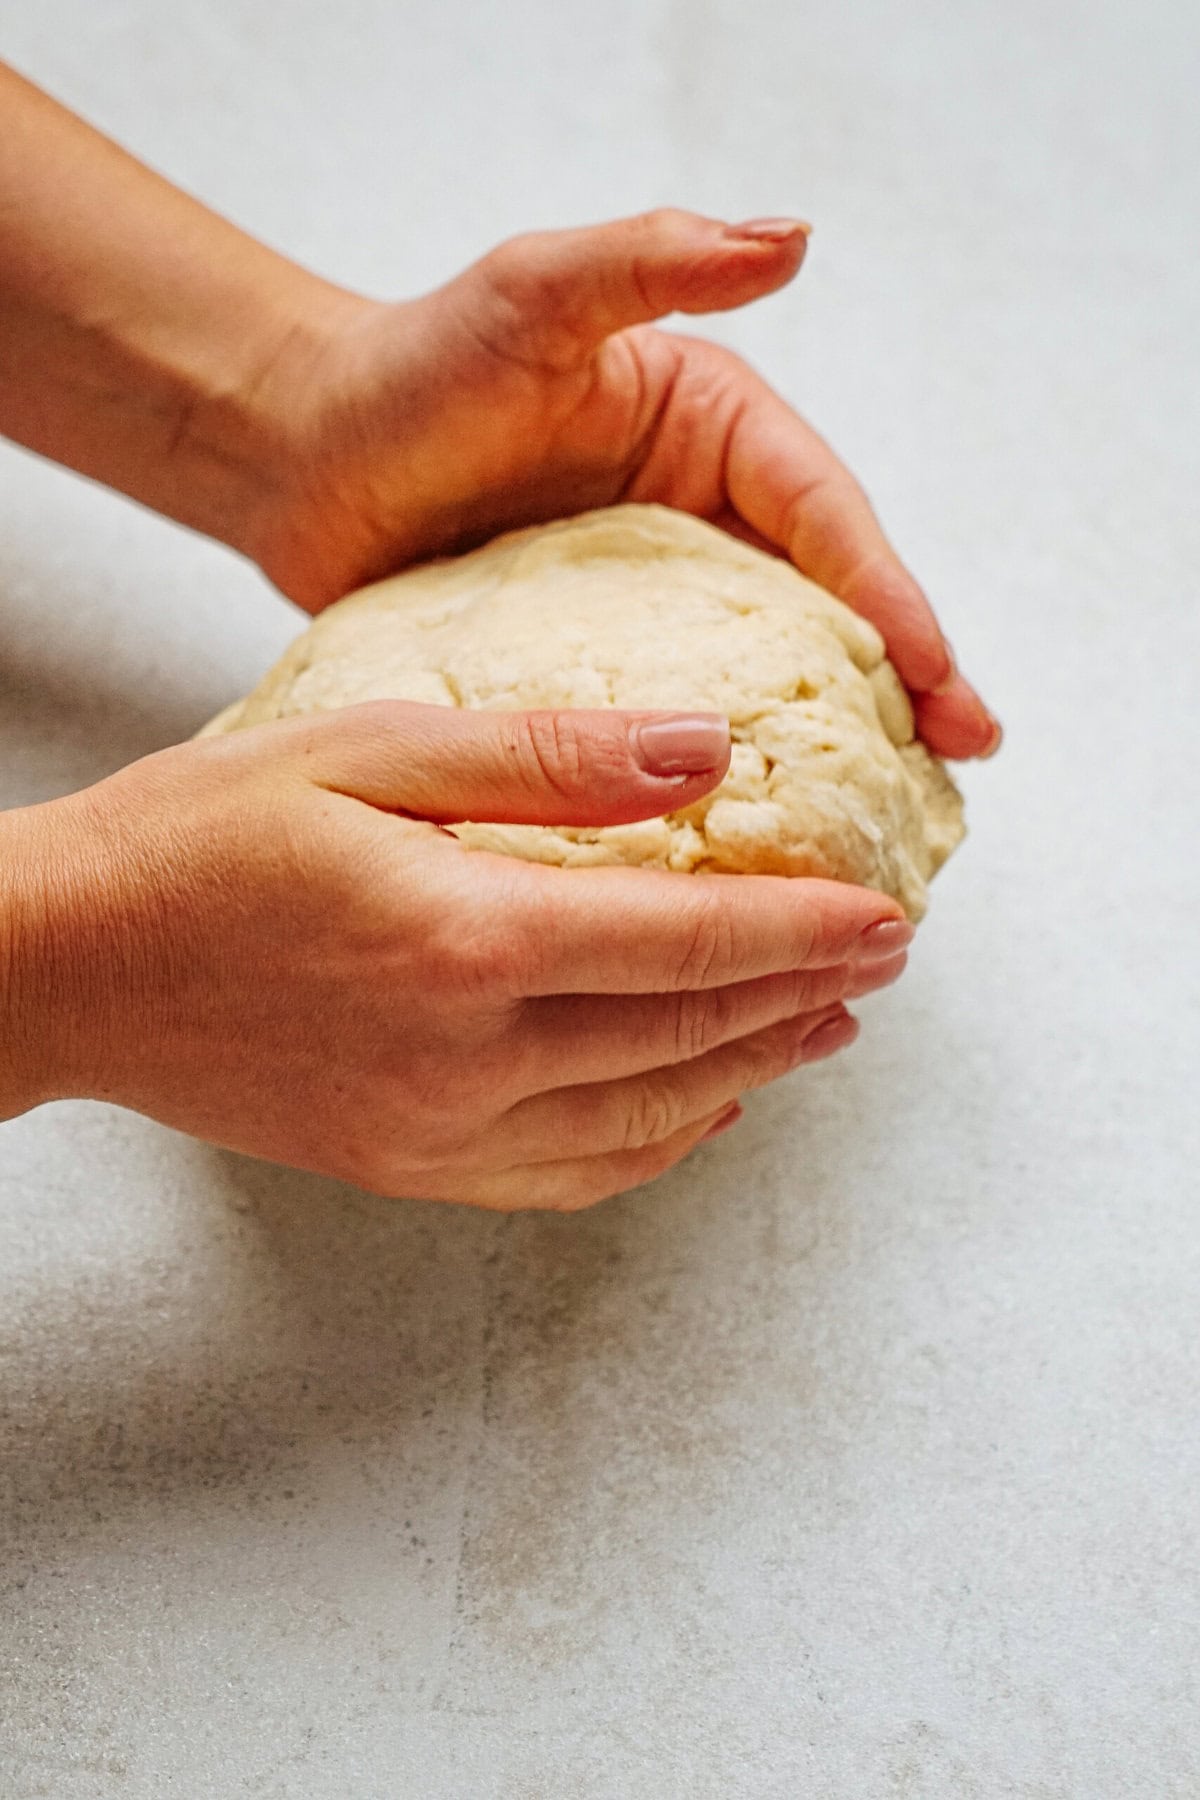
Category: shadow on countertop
[413,1339]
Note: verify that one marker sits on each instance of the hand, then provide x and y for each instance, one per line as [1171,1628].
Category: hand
[151,345]
[531,387]
[267,941]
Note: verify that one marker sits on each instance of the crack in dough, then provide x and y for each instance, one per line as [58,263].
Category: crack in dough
[641,606]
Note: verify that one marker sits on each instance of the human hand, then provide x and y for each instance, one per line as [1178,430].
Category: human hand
[151,345]
[531,387]
[266,940]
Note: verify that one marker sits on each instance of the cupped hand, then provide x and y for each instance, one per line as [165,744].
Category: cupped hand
[532,386]
[269,940]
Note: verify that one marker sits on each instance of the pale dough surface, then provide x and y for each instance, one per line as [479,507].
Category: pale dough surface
[641,606]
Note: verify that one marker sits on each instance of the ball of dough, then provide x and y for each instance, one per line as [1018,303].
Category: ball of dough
[641,606]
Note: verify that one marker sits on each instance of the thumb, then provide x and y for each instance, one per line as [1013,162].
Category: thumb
[550,297]
[516,768]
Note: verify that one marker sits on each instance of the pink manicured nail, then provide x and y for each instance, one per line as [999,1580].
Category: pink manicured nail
[769,231]
[835,1034]
[885,937]
[729,1117]
[683,744]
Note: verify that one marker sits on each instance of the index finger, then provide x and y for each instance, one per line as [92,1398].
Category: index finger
[650,931]
[787,483]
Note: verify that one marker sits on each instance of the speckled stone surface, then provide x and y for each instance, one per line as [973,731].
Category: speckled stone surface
[859,1457]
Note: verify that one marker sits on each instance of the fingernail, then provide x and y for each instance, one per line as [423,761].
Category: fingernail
[885,937]
[947,681]
[995,741]
[729,1117]
[769,231]
[683,744]
[835,1034]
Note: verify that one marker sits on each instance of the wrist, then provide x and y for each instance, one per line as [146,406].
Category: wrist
[241,393]
[223,395]
[332,371]
[46,949]
[26,1056]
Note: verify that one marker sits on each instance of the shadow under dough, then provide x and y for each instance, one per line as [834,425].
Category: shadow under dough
[342,1319]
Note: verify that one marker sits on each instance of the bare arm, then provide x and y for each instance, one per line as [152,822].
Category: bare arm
[136,326]
[153,346]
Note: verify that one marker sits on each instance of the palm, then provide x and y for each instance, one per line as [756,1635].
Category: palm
[647,419]
[510,445]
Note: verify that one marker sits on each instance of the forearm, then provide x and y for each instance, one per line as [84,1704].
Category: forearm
[138,330]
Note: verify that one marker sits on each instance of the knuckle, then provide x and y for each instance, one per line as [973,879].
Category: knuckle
[774,1052]
[710,946]
[495,307]
[548,751]
[665,221]
[468,961]
[807,988]
[526,317]
[365,716]
[481,965]
[484,954]
[359,726]
[505,268]
[801,504]
[806,931]
[702,1020]
[652,1115]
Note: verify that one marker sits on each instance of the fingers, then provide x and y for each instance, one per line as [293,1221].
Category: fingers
[575,1039]
[549,298]
[949,717]
[646,931]
[573,1183]
[788,484]
[641,1110]
[445,764]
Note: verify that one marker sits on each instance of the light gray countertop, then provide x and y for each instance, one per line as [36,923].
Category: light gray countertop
[860,1456]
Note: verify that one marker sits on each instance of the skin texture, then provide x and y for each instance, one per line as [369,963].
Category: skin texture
[532,387]
[267,940]
[255,940]
[150,344]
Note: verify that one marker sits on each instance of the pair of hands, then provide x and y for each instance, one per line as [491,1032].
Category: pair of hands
[268,941]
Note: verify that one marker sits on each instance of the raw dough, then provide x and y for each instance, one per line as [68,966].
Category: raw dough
[640,606]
